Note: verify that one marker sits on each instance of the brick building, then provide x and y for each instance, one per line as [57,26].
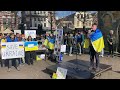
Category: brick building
[9,20]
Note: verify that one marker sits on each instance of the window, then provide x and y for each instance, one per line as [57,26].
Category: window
[88,16]
[4,20]
[34,12]
[78,16]
[44,24]
[30,24]
[77,23]
[89,23]
[40,12]
[34,19]
[44,12]
[81,15]
[38,19]
[44,19]
[9,21]
[35,25]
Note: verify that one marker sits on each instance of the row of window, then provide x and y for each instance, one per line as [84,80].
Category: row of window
[36,25]
[40,19]
[87,16]
[87,24]
[39,12]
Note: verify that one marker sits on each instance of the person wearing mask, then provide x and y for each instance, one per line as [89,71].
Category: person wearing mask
[96,45]
[111,42]
[29,55]
[12,38]
[70,43]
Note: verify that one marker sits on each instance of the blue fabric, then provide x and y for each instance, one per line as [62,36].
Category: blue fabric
[78,38]
[9,39]
[31,42]
[52,40]
[96,35]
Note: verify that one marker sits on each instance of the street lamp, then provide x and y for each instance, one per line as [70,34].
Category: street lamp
[51,20]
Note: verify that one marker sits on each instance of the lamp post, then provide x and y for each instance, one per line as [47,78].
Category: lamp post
[51,20]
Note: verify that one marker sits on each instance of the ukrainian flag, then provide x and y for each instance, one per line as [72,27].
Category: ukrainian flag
[34,46]
[86,43]
[46,42]
[21,46]
[51,43]
[97,40]
[3,46]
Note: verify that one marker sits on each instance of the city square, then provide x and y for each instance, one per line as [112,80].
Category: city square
[60,44]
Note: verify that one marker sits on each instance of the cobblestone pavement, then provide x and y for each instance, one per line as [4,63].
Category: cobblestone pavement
[36,71]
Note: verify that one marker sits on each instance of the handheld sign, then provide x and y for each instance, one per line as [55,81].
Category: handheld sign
[31,33]
[17,31]
[61,73]
[31,46]
[11,50]
[63,48]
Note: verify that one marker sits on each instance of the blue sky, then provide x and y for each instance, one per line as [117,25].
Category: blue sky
[61,14]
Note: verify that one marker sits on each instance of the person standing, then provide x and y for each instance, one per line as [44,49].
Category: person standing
[81,42]
[15,61]
[111,42]
[96,46]
[70,43]
[29,55]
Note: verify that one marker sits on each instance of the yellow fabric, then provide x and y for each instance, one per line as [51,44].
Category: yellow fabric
[54,76]
[38,58]
[46,42]
[3,40]
[86,43]
[98,45]
[31,49]
[51,45]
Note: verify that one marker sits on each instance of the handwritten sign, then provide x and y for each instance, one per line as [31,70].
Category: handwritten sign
[31,33]
[63,48]
[12,50]
[61,73]
[17,31]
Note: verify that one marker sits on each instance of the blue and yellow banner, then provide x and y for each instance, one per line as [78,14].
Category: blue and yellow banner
[31,46]
[3,46]
[21,46]
[86,43]
[97,40]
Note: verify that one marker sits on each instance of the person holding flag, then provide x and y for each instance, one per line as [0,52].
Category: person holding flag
[96,46]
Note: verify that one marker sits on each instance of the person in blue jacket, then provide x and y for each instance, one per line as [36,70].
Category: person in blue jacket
[12,38]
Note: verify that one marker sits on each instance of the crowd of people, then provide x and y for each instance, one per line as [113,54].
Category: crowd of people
[77,42]
[30,56]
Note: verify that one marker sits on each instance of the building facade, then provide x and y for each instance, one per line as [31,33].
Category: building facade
[35,18]
[75,21]
[9,20]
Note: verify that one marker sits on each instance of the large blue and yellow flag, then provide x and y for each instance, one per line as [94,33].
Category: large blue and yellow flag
[97,40]
[51,43]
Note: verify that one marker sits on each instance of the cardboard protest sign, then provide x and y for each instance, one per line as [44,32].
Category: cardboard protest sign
[61,73]
[63,48]
[31,33]
[11,50]
[31,46]
[17,31]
